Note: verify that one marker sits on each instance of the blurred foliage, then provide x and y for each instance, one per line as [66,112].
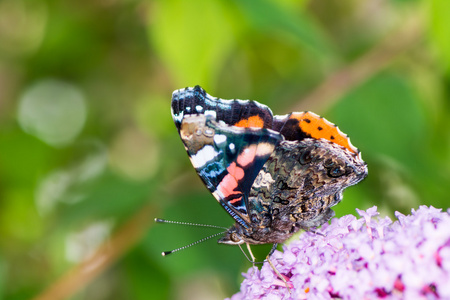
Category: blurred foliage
[87,140]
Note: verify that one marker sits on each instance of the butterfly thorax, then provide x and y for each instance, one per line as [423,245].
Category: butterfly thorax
[296,188]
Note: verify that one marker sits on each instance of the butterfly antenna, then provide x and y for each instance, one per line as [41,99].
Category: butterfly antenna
[192,244]
[191,224]
[157,220]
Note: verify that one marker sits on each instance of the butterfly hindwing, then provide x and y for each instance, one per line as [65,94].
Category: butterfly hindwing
[226,157]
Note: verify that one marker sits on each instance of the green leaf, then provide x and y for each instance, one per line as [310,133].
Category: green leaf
[191,37]
[3,277]
[440,14]
[110,195]
[384,117]
[269,16]
[142,276]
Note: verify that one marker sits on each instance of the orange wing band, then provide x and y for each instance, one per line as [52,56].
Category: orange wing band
[319,127]
[253,121]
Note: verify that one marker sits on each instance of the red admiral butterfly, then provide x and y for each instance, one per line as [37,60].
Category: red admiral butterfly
[274,175]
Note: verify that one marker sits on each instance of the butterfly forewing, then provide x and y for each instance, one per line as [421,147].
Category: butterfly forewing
[241,113]
[297,126]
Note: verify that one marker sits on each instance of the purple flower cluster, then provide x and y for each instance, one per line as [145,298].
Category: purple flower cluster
[365,258]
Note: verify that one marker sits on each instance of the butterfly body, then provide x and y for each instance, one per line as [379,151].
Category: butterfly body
[274,175]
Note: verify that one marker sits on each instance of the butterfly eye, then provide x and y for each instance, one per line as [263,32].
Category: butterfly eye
[235,238]
[336,172]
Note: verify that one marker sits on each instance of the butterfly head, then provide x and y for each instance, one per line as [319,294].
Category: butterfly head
[233,236]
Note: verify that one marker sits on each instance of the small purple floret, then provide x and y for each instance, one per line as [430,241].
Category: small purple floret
[365,258]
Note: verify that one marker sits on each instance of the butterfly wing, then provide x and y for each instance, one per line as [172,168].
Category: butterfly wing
[227,142]
[297,126]
[241,113]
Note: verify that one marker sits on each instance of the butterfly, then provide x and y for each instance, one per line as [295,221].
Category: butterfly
[274,175]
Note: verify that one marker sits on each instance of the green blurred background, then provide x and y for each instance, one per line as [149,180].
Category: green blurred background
[89,154]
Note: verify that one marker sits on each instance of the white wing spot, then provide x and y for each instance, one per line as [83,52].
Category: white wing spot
[199,108]
[211,113]
[232,147]
[220,138]
[178,117]
[203,156]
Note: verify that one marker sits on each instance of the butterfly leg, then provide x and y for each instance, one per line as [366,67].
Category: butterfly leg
[251,253]
[274,247]
[283,278]
[252,256]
